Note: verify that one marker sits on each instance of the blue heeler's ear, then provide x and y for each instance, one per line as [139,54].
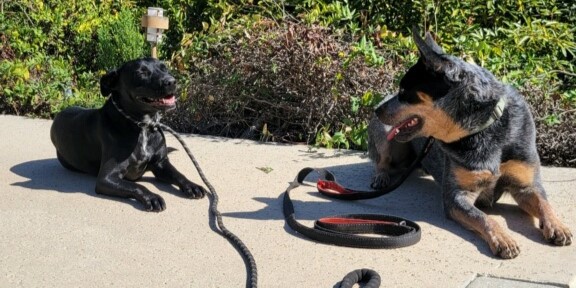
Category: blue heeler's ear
[108,83]
[433,56]
[429,39]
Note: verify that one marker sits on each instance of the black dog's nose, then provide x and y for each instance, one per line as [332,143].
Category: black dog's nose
[169,82]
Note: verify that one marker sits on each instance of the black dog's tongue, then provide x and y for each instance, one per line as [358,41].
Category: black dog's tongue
[169,100]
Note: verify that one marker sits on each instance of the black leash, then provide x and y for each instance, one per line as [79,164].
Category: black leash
[339,230]
[331,188]
[344,230]
[370,277]
[252,280]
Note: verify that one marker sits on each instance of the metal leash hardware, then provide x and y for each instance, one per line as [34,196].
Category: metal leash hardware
[147,122]
[252,280]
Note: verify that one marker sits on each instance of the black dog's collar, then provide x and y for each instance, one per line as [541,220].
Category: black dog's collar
[147,122]
[496,114]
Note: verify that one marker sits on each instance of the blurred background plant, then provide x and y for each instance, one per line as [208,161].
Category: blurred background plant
[52,54]
[305,71]
[119,40]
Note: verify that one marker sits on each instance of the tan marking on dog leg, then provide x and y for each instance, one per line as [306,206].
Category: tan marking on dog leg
[534,204]
[520,172]
[472,180]
[501,244]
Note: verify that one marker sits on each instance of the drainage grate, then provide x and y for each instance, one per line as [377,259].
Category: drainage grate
[491,282]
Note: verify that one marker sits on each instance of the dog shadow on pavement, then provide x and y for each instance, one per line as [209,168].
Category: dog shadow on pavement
[49,175]
[418,199]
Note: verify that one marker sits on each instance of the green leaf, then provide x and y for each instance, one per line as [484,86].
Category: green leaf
[524,39]
[265,169]
[552,120]
[355,101]
[367,98]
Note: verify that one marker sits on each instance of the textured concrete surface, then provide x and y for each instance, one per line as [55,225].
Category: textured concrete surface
[56,232]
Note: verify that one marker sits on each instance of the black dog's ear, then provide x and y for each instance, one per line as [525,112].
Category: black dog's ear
[108,83]
[431,53]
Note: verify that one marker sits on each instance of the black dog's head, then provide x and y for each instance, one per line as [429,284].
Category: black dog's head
[143,84]
[440,96]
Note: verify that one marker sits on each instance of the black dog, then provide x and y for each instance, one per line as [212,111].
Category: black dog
[120,141]
[486,143]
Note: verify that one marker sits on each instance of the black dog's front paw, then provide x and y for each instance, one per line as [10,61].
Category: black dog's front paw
[193,191]
[153,202]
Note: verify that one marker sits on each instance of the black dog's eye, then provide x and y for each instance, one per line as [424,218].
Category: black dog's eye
[163,67]
[144,72]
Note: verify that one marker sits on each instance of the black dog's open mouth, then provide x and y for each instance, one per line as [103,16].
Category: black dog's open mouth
[405,128]
[167,101]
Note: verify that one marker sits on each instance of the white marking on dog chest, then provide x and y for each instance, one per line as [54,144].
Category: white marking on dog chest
[145,153]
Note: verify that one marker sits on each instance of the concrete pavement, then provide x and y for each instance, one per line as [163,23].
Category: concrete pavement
[56,232]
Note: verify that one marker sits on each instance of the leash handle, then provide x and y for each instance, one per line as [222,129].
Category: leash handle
[395,232]
[331,188]
[346,220]
[342,230]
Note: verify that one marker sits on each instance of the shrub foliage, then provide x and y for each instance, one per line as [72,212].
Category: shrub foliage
[292,70]
[283,82]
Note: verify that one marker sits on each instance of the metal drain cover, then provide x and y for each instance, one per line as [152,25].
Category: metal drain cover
[492,282]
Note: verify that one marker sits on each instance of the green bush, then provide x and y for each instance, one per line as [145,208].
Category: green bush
[529,44]
[51,55]
[119,41]
[284,82]
[52,59]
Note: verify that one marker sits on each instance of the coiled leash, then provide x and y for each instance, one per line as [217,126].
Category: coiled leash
[252,280]
[344,230]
